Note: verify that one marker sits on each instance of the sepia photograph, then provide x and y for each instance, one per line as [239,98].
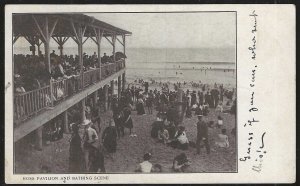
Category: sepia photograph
[124,92]
[150,94]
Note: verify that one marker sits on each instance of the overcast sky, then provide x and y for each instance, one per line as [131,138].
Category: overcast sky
[167,30]
[175,30]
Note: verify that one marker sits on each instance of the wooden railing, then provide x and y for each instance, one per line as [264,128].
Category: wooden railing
[29,103]
[92,76]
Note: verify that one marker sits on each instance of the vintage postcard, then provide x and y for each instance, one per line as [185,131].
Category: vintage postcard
[150,94]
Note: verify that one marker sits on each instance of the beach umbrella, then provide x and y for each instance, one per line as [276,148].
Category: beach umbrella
[120,55]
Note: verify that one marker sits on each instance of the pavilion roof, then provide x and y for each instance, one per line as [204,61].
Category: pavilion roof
[24,25]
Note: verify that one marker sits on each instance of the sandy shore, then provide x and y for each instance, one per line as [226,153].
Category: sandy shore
[130,150]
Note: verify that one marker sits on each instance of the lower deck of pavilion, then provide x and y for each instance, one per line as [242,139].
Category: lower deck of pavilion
[95,90]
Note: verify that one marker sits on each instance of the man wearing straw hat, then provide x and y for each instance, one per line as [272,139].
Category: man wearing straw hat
[89,139]
[202,134]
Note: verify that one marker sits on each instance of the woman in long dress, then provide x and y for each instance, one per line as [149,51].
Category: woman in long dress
[76,156]
[109,138]
[127,121]
[140,106]
[96,160]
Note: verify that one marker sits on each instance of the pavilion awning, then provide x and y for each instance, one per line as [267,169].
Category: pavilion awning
[24,25]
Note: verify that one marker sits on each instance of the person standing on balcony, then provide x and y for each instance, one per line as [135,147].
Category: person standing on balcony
[57,69]
[111,58]
[105,59]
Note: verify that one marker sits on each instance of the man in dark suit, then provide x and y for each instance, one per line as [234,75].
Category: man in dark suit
[202,135]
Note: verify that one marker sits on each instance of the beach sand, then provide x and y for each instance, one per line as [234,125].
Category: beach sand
[130,150]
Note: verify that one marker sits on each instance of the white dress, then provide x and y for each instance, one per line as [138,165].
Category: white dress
[146,166]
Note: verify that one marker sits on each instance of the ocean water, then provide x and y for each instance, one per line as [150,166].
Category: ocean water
[171,64]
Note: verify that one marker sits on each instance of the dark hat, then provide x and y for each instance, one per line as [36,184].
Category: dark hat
[181,127]
[74,127]
[147,156]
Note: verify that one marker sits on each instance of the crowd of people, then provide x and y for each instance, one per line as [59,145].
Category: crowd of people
[168,128]
[31,71]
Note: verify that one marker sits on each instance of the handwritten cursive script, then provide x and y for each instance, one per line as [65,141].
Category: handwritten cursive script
[252,48]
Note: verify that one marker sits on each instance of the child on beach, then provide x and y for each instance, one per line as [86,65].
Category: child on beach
[220,122]
[163,135]
[220,106]
[180,163]
[222,140]
[180,141]
[145,166]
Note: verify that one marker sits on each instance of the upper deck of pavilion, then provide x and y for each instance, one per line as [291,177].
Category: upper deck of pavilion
[31,108]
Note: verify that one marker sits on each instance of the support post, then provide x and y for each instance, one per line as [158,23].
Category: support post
[79,34]
[66,122]
[99,35]
[119,87]
[124,43]
[123,81]
[47,56]
[114,47]
[39,138]
[112,86]
[45,36]
[61,48]
[33,49]
[51,92]
[61,41]
[83,117]
[105,97]
[95,97]
[38,46]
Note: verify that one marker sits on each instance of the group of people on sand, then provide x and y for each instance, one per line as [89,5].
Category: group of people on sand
[169,126]
[179,164]
[87,153]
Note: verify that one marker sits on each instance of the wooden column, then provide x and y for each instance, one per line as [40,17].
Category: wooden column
[105,97]
[119,87]
[39,138]
[124,43]
[47,56]
[98,34]
[79,31]
[112,86]
[45,37]
[114,47]
[46,34]
[66,122]
[83,110]
[61,41]
[95,97]
[123,81]
[38,43]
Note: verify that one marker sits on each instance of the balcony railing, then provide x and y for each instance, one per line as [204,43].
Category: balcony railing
[30,103]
